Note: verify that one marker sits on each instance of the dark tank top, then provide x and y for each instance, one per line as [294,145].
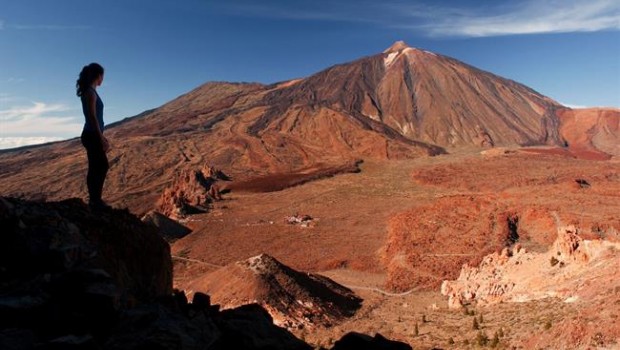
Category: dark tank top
[98,108]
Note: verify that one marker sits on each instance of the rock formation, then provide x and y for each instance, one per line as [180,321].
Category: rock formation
[294,299]
[514,275]
[191,192]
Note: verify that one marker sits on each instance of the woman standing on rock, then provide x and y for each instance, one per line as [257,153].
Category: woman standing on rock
[92,137]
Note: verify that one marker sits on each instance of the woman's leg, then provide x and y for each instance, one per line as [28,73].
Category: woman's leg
[97,166]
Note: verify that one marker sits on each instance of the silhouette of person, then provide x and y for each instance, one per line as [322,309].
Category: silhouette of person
[92,137]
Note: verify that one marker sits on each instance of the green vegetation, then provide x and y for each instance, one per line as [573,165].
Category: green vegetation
[482,339]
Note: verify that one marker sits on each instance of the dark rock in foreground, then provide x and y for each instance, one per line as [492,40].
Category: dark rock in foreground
[357,341]
[71,278]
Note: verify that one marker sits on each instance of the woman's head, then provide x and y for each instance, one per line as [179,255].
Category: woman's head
[92,73]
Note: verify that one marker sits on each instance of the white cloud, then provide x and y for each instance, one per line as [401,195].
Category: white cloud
[530,17]
[40,120]
[15,80]
[14,142]
[492,19]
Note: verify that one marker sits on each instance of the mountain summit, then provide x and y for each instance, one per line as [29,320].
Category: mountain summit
[397,46]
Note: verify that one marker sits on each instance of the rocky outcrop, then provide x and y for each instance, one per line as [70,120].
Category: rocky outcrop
[515,275]
[169,229]
[191,192]
[174,323]
[294,299]
[71,278]
[76,279]
[68,272]
[357,341]
[482,138]
[65,238]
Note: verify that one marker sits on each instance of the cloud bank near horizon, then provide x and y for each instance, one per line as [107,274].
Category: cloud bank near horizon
[36,123]
[16,142]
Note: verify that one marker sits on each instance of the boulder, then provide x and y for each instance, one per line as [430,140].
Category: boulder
[169,229]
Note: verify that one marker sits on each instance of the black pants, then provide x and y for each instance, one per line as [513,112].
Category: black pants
[97,165]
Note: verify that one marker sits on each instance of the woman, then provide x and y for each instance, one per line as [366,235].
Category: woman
[92,137]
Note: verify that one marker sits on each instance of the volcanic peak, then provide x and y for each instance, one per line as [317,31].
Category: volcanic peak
[397,46]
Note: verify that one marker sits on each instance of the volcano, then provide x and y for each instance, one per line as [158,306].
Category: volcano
[401,103]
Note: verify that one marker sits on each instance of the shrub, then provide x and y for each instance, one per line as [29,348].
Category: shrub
[482,338]
[554,261]
[495,340]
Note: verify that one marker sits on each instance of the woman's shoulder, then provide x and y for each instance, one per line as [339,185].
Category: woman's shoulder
[89,92]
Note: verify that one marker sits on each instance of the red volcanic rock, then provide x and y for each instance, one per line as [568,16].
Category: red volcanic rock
[483,139]
[430,243]
[294,299]
[191,192]
[281,181]
[592,133]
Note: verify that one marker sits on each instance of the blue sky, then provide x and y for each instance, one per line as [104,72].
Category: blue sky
[156,50]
